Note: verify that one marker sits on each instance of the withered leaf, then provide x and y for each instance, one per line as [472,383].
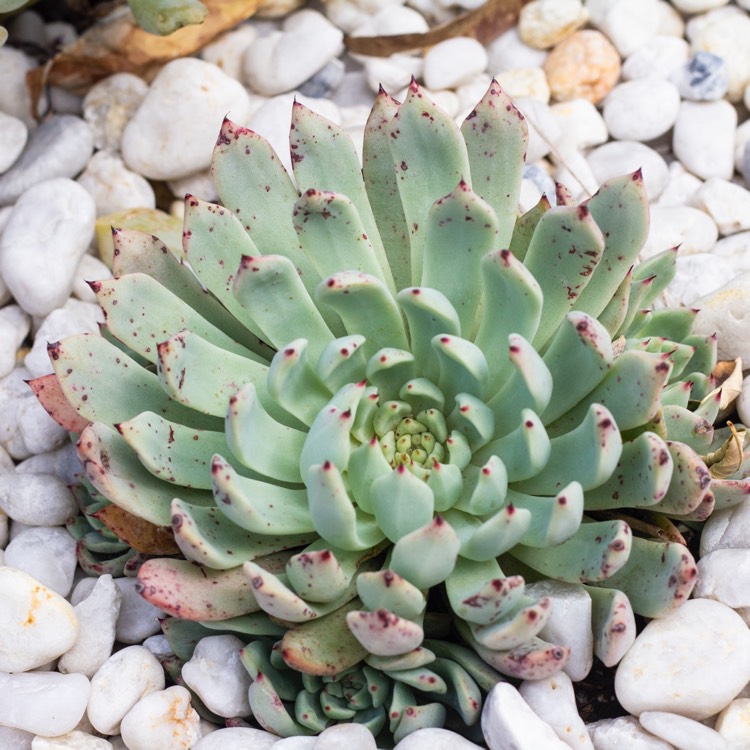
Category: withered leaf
[50,395]
[143,536]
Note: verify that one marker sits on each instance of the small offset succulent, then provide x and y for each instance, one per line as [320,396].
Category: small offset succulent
[164,17]
[367,405]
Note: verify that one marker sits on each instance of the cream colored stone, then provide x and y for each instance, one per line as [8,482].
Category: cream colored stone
[544,23]
[525,82]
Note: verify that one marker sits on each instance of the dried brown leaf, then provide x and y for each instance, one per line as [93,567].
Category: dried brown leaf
[483,24]
[51,397]
[143,536]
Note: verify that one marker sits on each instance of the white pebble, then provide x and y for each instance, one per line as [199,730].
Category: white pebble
[393,19]
[698,6]
[284,59]
[228,49]
[126,677]
[97,615]
[163,720]
[62,462]
[722,575]
[13,393]
[241,738]
[641,110]
[15,739]
[683,733]
[544,129]
[36,624]
[44,703]
[13,136]
[199,184]
[627,23]
[726,312]
[15,98]
[657,58]
[114,187]
[700,274]
[623,157]
[46,553]
[671,22]
[110,104]
[728,204]
[727,528]
[623,732]
[74,740]
[14,326]
[345,737]
[159,646]
[526,83]
[733,723]
[39,432]
[430,738]
[43,242]
[37,499]
[392,73]
[581,123]
[569,624]
[690,228]
[453,62]
[681,188]
[138,619]
[703,662]
[217,675]
[509,52]
[544,23]
[553,700]
[295,743]
[174,130]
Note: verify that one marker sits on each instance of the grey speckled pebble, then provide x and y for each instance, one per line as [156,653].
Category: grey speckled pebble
[703,78]
[59,147]
[323,83]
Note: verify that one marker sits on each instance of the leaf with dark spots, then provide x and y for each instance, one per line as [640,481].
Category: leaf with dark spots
[49,394]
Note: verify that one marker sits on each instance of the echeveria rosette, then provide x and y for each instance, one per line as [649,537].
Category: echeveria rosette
[372,404]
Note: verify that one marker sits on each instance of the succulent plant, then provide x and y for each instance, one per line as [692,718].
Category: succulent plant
[370,402]
[167,16]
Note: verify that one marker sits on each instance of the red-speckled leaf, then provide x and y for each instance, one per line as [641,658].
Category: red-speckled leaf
[50,395]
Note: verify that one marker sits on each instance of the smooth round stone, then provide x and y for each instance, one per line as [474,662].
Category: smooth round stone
[174,130]
[159,646]
[583,66]
[728,528]
[527,83]
[733,723]
[126,677]
[43,703]
[553,700]
[508,723]
[453,62]
[13,136]
[345,737]
[392,73]
[692,662]
[41,246]
[39,432]
[544,23]
[681,188]
[581,123]
[624,157]
[325,81]
[726,312]
[59,147]
[228,50]
[74,740]
[15,739]
[15,98]
[671,22]
[698,6]
[693,230]
[200,185]
[544,131]
[684,733]
[36,624]
[543,181]
[723,575]
[283,60]
[657,58]
[627,23]
[62,462]
[509,51]
[697,275]
[726,203]
[703,78]
[89,269]
[624,732]
[163,720]
[726,35]
[569,624]
[295,743]
[14,327]
[114,187]
[138,619]
[37,499]
[240,738]
[432,738]
[46,553]
[392,19]
[97,615]
[215,672]
[641,110]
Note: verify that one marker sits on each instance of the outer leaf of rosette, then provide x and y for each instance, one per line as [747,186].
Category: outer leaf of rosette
[384,589]
[689,482]
[401,503]
[329,437]
[335,517]
[524,452]
[480,593]
[209,538]
[594,553]
[460,230]
[259,506]
[430,158]
[384,633]
[253,184]
[342,362]
[429,313]
[529,386]
[613,623]
[620,210]
[553,519]
[496,137]
[293,383]
[388,369]
[260,442]
[324,158]
[486,539]
[263,284]
[463,694]
[512,304]
[588,455]
[463,367]
[365,306]
[563,253]
[426,557]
